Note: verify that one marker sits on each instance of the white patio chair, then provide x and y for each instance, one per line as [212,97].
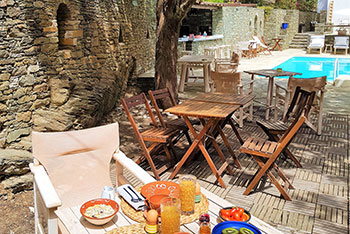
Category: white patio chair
[69,169]
[341,43]
[316,43]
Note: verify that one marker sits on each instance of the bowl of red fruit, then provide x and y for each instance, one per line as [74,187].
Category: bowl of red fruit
[234,214]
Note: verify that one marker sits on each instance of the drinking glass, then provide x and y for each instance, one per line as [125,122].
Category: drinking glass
[187,193]
[170,215]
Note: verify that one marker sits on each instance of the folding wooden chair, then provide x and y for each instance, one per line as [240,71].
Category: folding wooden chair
[316,84]
[232,83]
[178,123]
[158,136]
[274,129]
[265,153]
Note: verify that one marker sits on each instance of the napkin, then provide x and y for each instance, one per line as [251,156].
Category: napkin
[123,191]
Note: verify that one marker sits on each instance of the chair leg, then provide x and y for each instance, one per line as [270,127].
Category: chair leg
[261,172]
[240,120]
[251,111]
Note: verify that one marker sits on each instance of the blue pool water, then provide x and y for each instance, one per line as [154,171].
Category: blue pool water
[314,67]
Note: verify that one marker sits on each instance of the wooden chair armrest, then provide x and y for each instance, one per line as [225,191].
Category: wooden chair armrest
[248,83]
[45,187]
[132,167]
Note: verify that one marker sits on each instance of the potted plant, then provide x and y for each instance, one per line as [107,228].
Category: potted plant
[342,31]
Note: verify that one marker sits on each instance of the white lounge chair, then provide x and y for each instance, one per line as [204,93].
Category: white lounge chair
[341,43]
[316,43]
[261,46]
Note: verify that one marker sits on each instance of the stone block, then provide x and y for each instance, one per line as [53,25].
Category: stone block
[19,71]
[18,183]
[4,85]
[33,68]
[73,34]
[41,88]
[49,48]
[27,80]
[52,120]
[69,41]
[15,134]
[5,76]
[3,3]
[38,4]
[50,29]
[13,11]
[14,162]
[24,116]
[40,103]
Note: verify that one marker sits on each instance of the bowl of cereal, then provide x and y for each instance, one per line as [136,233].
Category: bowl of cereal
[99,211]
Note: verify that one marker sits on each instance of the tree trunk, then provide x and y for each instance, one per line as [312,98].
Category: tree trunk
[170,14]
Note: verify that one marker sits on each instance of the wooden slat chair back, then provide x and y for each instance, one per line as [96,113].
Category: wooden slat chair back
[316,84]
[77,162]
[228,65]
[274,129]
[266,152]
[157,135]
[178,123]
[232,83]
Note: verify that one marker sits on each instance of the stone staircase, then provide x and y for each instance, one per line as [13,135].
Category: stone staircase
[300,41]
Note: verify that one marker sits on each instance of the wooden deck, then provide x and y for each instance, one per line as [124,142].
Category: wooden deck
[320,199]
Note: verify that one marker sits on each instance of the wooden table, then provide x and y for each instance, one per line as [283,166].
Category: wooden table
[74,223]
[277,43]
[188,61]
[271,74]
[210,115]
[225,98]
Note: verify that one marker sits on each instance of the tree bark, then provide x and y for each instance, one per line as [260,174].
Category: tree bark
[170,14]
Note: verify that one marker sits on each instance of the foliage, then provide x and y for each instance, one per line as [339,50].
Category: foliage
[267,10]
[286,4]
[307,5]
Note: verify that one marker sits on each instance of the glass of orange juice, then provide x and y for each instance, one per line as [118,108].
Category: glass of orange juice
[187,193]
[170,215]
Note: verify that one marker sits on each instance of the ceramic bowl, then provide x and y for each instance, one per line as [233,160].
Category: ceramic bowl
[168,188]
[222,219]
[98,201]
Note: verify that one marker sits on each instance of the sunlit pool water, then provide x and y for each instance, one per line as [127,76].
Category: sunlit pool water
[314,67]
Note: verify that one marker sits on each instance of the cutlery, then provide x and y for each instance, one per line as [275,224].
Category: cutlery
[132,190]
[132,198]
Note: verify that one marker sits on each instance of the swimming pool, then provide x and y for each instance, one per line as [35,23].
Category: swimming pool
[314,67]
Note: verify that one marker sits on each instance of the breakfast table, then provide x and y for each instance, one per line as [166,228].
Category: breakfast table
[195,61]
[73,222]
[210,115]
[271,74]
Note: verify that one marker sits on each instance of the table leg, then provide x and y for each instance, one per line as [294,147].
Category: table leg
[224,138]
[183,77]
[206,69]
[194,144]
[199,141]
[269,97]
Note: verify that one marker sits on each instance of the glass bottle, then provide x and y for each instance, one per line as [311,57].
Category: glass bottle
[204,224]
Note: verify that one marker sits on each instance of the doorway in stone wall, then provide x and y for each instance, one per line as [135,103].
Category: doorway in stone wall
[63,16]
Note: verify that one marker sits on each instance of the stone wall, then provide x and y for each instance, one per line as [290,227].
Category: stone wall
[273,26]
[239,23]
[65,63]
[306,18]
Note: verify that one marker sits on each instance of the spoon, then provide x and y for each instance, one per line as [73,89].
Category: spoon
[132,198]
[140,199]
